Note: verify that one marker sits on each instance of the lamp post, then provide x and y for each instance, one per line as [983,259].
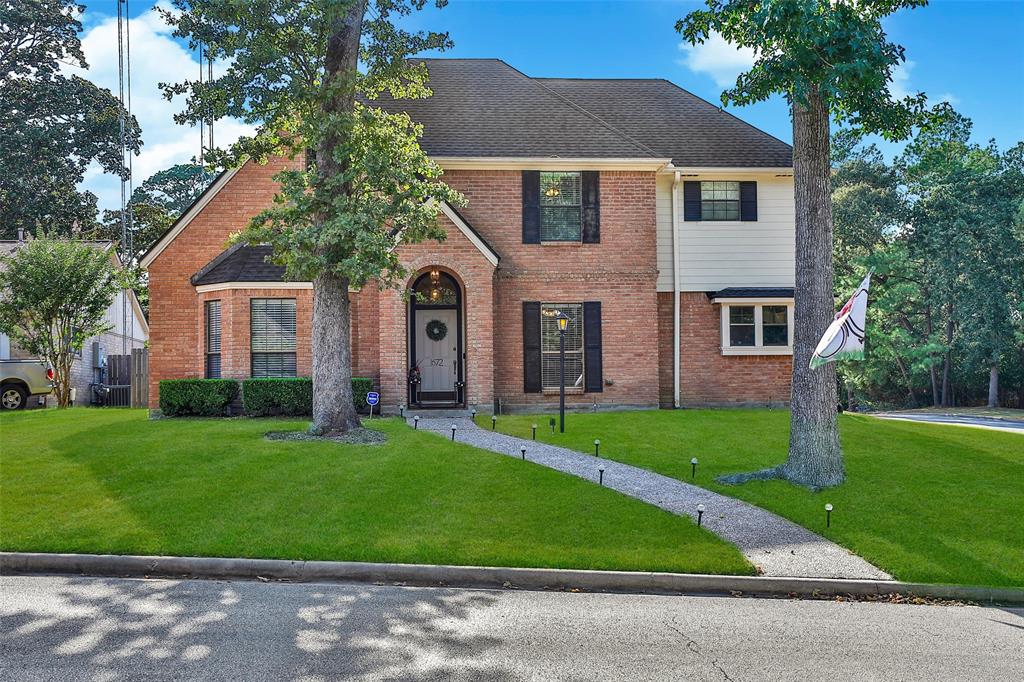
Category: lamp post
[563,324]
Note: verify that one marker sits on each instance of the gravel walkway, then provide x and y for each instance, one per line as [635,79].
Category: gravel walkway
[776,546]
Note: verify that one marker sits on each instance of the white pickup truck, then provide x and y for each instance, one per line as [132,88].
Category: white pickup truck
[20,379]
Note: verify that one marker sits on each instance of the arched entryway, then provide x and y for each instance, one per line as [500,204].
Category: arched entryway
[436,355]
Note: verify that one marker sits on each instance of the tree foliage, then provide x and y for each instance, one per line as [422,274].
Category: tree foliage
[949,286]
[55,295]
[307,74]
[52,125]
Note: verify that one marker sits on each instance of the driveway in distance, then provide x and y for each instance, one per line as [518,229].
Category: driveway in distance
[977,421]
[91,628]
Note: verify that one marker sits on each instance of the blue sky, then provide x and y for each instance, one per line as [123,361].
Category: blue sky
[969,52]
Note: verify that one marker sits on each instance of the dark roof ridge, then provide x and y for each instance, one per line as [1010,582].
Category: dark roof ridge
[567,101]
[729,113]
[217,260]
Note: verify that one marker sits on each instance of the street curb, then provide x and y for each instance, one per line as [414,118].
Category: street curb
[492,577]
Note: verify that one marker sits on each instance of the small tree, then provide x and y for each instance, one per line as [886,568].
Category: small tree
[829,58]
[54,294]
[307,72]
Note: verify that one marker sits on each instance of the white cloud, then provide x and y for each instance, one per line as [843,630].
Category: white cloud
[156,57]
[901,87]
[717,58]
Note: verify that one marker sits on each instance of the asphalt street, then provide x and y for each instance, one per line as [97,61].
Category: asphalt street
[993,423]
[64,628]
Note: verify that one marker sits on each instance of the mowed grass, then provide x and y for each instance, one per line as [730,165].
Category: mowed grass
[926,502]
[112,481]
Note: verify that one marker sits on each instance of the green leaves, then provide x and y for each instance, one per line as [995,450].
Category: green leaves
[837,48]
[56,293]
[368,186]
[52,126]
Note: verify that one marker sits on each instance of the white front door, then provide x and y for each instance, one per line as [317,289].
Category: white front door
[437,351]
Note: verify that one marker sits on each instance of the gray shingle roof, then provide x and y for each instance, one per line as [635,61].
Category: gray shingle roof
[675,123]
[240,263]
[753,292]
[486,108]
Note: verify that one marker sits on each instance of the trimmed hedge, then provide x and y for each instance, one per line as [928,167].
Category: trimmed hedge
[197,397]
[292,395]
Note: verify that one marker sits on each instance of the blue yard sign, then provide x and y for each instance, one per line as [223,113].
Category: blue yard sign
[372,398]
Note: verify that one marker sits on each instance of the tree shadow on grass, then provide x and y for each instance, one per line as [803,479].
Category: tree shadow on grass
[94,628]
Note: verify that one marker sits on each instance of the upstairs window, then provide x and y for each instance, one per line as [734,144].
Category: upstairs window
[549,346]
[212,370]
[719,200]
[272,337]
[561,206]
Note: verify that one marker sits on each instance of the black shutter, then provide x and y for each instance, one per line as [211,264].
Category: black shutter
[691,200]
[591,207]
[531,347]
[594,382]
[531,207]
[748,200]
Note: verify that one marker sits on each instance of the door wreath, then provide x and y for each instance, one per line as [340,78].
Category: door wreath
[436,330]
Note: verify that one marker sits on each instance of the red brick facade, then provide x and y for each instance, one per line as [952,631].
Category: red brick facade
[620,272]
[706,377]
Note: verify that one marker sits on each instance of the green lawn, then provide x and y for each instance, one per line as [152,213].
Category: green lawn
[111,481]
[926,502]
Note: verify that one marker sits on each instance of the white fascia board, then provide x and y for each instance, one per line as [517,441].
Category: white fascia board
[548,163]
[194,210]
[469,234]
[224,286]
[719,170]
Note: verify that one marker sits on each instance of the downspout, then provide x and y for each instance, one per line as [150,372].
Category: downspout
[675,292]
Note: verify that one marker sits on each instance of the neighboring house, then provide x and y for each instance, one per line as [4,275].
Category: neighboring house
[129,330]
[663,226]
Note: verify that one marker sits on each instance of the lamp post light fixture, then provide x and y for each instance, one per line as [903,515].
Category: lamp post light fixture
[494,421]
[693,468]
[401,411]
[453,432]
[473,413]
[600,475]
[535,432]
[522,451]
[563,324]
[597,447]
[700,514]
[828,515]
[551,423]
[416,422]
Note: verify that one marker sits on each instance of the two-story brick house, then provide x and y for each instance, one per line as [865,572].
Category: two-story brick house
[661,225]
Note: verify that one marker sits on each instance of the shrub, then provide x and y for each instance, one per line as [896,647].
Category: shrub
[197,397]
[267,397]
[292,395]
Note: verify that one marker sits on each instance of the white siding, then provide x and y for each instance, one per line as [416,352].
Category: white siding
[719,254]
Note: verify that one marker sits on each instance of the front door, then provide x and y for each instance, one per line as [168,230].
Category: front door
[437,353]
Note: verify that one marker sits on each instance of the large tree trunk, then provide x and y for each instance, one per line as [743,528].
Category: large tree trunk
[993,386]
[333,411]
[936,398]
[815,456]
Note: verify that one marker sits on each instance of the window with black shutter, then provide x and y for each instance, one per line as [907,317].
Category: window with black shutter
[561,206]
[212,340]
[719,200]
[272,337]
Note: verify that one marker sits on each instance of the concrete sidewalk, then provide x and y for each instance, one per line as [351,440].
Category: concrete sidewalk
[776,546]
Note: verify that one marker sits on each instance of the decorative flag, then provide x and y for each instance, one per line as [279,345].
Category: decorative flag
[844,338]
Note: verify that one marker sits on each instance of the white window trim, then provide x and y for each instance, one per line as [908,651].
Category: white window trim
[758,348]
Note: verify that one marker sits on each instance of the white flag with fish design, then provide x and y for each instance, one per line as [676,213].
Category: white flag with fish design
[844,338]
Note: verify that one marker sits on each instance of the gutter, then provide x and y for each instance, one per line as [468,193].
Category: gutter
[675,290]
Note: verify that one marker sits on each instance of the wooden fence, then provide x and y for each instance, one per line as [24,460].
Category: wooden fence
[127,382]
